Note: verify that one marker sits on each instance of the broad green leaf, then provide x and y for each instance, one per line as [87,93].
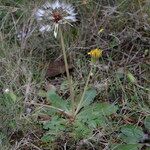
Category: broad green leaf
[89,97]
[99,121]
[95,115]
[147,122]
[87,114]
[131,134]
[51,111]
[55,127]
[92,118]
[57,101]
[56,124]
[127,147]
[106,109]
[81,130]
[48,138]
[129,139]
[131,130]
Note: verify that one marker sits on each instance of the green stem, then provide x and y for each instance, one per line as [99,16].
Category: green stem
[67,71]
[85,88]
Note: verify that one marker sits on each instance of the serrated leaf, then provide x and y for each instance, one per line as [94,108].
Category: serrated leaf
[57,101]
[127,147]
[89,97]
[131,134]
[147,122]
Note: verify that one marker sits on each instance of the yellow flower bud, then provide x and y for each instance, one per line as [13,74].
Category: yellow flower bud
[95,53]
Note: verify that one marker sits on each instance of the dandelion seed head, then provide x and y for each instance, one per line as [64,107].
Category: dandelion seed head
[50,15]
[45,28]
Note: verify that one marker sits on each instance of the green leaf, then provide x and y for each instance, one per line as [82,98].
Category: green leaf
[131,134]
[89,97]
[131,78]
[106,109]
[81,130]
[91,118]
[42,93]
[48,138]
[2,137]
[129,139]
[127,147]
[56,124]
[64,86]
[95,115]
[57,101]
[147,122]
[55,128]
[13,96]
[13,124]
[10,96]
[8,99]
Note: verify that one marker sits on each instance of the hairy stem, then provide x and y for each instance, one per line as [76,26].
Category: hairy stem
[67,71]
[85,88]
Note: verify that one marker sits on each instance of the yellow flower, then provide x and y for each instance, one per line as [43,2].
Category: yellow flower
[95,53]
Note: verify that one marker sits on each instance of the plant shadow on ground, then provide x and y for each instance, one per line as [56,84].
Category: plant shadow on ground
[121,79]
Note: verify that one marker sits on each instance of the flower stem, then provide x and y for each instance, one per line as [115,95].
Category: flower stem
[67,71]
[85,88]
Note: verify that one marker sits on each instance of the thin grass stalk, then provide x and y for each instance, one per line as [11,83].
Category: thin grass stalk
[50,106]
